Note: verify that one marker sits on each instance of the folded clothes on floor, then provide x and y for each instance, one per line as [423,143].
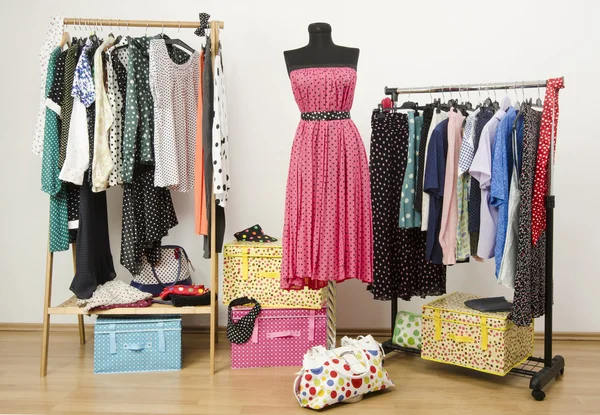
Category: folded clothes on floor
[490,304]
[183,290]
[137,304]
[113,292]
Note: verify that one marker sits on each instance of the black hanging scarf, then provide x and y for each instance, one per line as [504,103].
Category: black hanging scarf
[241,331]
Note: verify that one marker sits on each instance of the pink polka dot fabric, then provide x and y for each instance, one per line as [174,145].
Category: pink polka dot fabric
[327,229]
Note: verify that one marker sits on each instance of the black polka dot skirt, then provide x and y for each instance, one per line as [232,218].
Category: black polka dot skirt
[399,267]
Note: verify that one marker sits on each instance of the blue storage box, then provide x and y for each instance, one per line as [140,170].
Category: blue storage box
[125,344]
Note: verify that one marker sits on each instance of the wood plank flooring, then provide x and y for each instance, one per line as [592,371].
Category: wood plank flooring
[421,387]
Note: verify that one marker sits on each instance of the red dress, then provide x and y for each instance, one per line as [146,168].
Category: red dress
[327,228]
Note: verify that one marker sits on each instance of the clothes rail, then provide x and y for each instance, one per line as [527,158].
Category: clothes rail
[69,307]
[77,21]
[552,366]
[467,87]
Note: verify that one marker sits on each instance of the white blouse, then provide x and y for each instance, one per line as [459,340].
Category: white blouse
[221,180]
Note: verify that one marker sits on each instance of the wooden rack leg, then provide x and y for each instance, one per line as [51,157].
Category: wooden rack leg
[80,321]
[214,284]
[46,325]
[330,295]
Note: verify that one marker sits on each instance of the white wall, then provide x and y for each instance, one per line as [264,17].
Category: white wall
[402,44]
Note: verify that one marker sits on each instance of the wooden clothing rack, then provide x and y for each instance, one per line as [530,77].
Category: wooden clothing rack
[541,370]
[70,307]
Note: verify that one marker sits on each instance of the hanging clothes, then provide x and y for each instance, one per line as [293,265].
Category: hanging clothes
[508,264]
[207,144]
[548,129]
[409,216]
[53,38]
[200,216]
[433,185]
[59,226]
[465,158]
[449,221]
[483,118]
[399,265]
[221,181]
[83,94]
[421,154]
[528,301]
[67,100]
[502,166]
[94,259]
[389,148]
[174,88]
[102,163]
[116,72]
[481,169]
[438,117]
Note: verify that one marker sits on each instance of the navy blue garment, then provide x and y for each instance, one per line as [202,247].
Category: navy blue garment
[485,115]
[433,184]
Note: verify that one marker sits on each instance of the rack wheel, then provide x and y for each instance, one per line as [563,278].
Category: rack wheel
[562,371]
[538,395]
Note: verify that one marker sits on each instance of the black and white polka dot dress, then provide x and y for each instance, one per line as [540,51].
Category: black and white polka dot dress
[399,265]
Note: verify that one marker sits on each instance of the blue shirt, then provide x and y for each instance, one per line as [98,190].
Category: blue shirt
[433,184]
[502,166]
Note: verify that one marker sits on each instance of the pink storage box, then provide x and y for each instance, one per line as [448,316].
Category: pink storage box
[281,337]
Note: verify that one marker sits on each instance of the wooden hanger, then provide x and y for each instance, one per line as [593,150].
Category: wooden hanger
[65,40]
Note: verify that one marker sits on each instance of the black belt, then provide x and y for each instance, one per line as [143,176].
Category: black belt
[325,115]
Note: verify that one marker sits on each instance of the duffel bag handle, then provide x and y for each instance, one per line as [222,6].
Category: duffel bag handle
[339,353]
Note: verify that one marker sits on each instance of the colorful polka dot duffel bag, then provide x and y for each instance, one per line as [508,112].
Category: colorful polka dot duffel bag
[342,374]
[407,330]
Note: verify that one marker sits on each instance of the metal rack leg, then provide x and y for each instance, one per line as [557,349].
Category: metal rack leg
[331,314]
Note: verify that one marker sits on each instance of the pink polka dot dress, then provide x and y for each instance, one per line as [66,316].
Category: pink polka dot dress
[327,229]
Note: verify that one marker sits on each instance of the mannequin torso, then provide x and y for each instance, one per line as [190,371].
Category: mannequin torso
[320,51]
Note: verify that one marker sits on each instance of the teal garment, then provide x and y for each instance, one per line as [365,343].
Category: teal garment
[409,217]
[51,184]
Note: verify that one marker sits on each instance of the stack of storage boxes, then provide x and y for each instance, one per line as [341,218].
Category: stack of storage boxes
[290,323]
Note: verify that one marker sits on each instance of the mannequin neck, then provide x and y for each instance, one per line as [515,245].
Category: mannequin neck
[320,35]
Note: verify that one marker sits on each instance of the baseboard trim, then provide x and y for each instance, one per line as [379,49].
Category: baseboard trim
[380,333]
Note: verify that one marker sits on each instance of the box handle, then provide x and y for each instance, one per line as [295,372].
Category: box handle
[283,334]
[484,333]
[460,339]
[161,337]
[137,346]
[438,325]
[245,253]
[112,328]
[268,275]
[311,326]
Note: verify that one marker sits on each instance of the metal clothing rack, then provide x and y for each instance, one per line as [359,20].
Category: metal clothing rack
[541,370]
[69,307]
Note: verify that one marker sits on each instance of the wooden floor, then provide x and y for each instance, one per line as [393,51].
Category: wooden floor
[421,387]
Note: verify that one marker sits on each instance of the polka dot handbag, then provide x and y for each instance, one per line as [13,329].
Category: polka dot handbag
[407,330]
[331,376]
[172,269]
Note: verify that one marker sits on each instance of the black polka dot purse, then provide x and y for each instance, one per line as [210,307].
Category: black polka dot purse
[172,269]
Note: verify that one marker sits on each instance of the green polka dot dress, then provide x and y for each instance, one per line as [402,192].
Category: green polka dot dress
[59,228]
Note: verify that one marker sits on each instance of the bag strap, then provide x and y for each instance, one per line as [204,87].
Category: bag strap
[178,279]
[339,353]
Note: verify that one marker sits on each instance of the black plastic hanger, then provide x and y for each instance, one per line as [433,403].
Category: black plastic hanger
[180,43]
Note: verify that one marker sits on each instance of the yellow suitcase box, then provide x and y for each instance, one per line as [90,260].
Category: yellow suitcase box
[488,342]
[251,269]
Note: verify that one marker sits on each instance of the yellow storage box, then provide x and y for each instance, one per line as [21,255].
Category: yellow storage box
[251,269]
[488,342]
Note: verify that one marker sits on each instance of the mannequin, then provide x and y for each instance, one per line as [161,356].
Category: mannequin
[320,51]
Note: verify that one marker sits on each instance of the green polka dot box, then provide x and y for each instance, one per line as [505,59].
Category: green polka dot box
[127,344]
[407,330]
[485,341]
